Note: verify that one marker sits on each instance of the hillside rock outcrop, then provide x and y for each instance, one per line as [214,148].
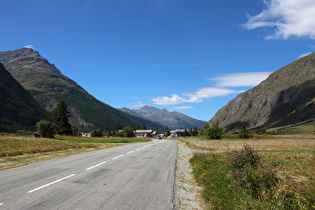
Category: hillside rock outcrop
[287,96]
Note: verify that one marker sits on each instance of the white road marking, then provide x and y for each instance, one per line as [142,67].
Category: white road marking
[138,148]
[96,165]
[118,156]
[1,204]
[130,152]
[51,183]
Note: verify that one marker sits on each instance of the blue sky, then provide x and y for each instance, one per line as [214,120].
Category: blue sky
[182,55]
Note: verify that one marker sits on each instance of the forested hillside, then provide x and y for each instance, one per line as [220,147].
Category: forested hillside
[18,109]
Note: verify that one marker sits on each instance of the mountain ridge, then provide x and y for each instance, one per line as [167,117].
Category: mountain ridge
[173,120]
[18,109]
[48,86]
[286,97]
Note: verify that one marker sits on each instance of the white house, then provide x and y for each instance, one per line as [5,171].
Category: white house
[144,133]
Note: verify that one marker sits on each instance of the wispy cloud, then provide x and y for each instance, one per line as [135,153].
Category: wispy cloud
[29,46]
[183,107]
[208,93]
[247,79]
[288,18]
[221,88]
[138,104]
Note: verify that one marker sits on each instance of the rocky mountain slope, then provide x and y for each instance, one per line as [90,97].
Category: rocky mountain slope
[174,120]
[48,86]
[286,97]
[18,109]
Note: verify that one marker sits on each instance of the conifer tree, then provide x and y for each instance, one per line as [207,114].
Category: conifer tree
[61,115]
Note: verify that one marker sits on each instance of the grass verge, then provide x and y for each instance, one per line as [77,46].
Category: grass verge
[289,158]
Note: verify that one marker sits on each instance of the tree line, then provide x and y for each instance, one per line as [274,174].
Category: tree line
[61,124]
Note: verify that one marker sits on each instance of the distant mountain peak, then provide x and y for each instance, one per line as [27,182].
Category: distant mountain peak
[173,120]
[48,86]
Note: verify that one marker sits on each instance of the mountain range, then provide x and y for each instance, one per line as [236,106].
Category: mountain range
[172,120]
[18,109]
[31,87]
[286,97]
[48,86]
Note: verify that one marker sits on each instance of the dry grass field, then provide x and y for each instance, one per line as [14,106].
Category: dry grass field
[285,142]
[17,151]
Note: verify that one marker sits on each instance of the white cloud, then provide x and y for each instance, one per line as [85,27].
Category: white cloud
[220,89]
[289,18]
[183,107]
[174,99]
[247,79]
[207,93]
[304,54]
[194,97]
[29,46]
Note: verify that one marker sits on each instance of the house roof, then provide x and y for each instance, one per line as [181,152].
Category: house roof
[144,131]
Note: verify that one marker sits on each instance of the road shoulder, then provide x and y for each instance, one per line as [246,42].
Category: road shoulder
[187,192]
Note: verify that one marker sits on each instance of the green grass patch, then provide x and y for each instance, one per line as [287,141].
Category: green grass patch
[282,180]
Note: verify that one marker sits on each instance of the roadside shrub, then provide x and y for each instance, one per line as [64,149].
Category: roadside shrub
[128,132]
[249,173]
[244,134]
[239,158]
[96,133]
[45,129]
[214,132]
[24,132]
[75,131]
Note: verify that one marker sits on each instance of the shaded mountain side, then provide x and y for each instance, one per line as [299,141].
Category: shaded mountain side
[18,109]
[286,97]
[48,86]
[173,120]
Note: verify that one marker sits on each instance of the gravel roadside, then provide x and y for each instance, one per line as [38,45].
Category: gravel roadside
[187,192]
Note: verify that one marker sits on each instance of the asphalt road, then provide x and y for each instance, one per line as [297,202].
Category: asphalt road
[135,176]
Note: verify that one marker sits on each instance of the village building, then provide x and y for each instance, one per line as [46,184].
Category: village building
[174,133]
[145,133]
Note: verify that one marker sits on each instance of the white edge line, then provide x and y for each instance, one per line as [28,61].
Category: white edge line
[96,165]
[138,148]
[54,182]
[1,204]
[130,152]
[118,156]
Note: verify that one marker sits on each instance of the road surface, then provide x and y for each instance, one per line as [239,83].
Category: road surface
[135,176]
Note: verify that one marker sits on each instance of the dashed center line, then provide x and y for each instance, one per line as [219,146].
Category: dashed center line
[96,165]
[118,156]
[51,183]
[87,169]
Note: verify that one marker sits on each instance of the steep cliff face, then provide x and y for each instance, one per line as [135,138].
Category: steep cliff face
[48,86]
[287,96]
